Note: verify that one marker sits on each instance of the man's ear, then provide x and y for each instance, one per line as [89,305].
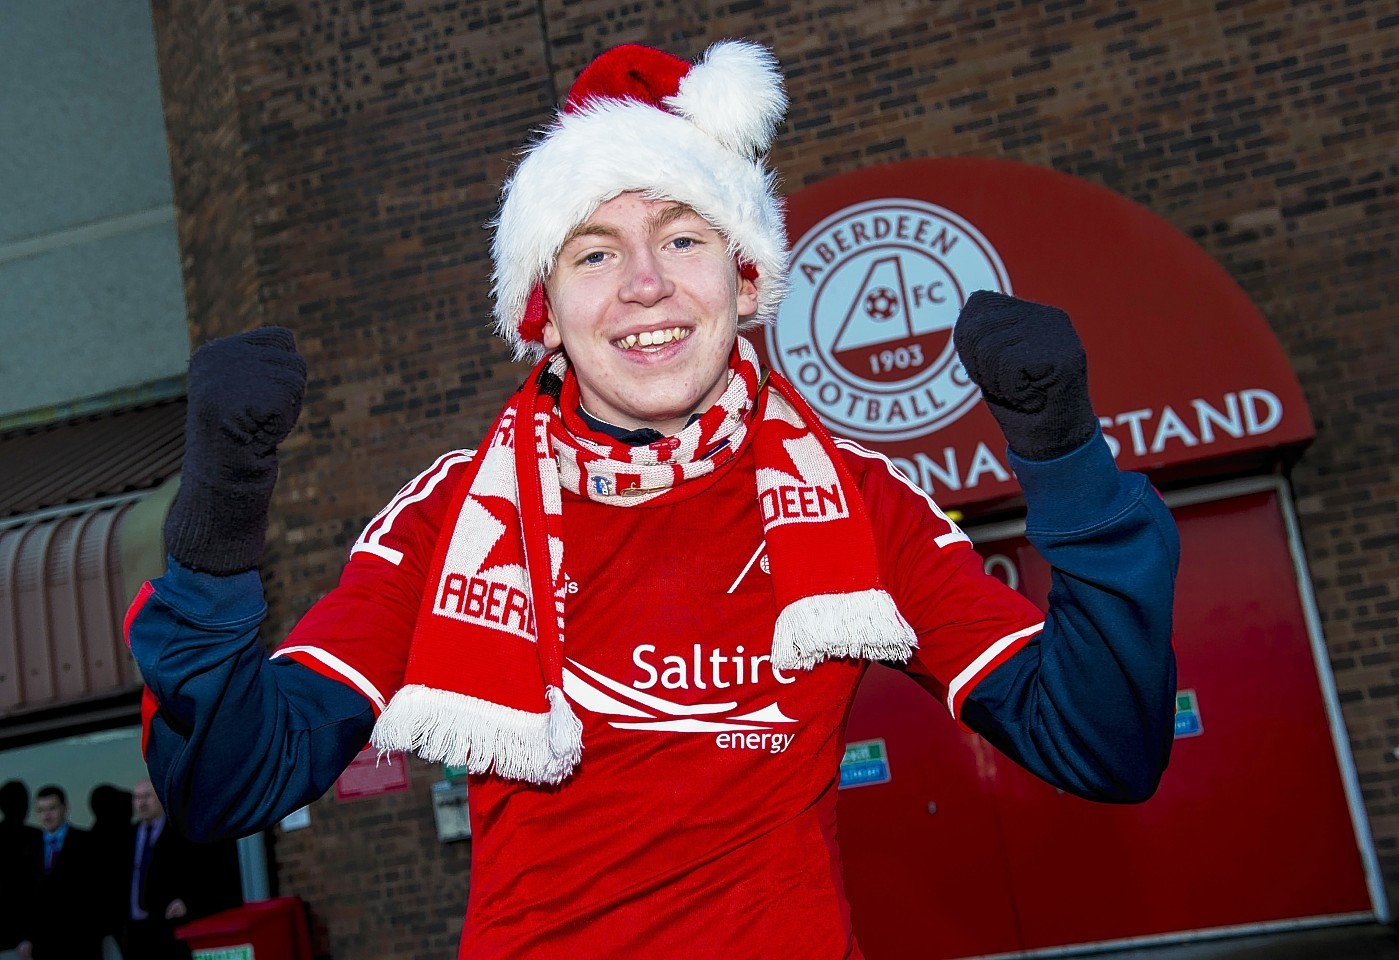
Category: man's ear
[747,296]
[552,339]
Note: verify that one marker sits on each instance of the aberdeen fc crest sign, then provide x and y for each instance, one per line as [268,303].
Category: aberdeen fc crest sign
[866,331]
[1185,369]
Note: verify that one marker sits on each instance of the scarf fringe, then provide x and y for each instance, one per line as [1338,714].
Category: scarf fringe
[864,624]
[446,727]
[565,729]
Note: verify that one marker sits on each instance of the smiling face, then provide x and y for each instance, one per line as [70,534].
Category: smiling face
[645,299]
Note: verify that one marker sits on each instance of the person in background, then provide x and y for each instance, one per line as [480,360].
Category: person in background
[170,881]
[20,850]
[111,849]
[62,924]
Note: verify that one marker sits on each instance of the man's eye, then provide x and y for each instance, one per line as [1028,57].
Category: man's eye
[684,243]
[594,258]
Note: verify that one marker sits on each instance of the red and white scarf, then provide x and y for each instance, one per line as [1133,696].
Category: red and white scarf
[484,681]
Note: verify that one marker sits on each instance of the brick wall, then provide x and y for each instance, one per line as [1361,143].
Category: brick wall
[207,161]
[335,163]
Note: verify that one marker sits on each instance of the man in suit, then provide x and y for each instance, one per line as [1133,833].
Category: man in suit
[20,847]
[172,881]
[61,927]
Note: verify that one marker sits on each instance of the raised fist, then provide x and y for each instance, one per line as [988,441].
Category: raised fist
[245,390]
[1032,371]
[245,394]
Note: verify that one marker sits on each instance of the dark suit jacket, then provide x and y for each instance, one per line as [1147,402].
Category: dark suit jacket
[203,876]
[62,924]
[112,860]
[21,852]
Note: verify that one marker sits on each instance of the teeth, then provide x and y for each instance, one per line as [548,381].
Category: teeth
[652,338]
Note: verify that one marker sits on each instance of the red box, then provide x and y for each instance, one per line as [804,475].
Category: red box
[264,930]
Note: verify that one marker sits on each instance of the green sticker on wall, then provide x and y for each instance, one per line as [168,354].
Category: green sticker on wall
[864,763]
[1187,715]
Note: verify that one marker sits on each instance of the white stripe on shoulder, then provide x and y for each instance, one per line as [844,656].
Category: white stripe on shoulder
[372,542]
[987,655]
[359,680]
[954,535]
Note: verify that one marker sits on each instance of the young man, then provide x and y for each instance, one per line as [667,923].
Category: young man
[622,501]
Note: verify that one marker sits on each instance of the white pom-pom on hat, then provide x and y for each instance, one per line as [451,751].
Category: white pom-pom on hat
[735,95]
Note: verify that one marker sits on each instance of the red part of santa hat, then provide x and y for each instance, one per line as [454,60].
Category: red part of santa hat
[640,119]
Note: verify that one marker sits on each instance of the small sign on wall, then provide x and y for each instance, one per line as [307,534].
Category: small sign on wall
[243,951]
[450,811]
[865,763]
[370,775]
[1187,715]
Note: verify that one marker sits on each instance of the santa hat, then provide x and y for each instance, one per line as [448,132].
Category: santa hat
[638,119]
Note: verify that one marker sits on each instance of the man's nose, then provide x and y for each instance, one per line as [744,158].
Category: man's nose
[646,280]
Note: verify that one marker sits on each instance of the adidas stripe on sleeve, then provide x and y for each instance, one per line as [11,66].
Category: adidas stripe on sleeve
[359,633]
[967,621]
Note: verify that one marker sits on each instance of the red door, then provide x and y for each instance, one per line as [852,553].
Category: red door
[1251,824]
[911,845]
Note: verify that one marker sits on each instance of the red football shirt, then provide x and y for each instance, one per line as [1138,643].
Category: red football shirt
[701,821]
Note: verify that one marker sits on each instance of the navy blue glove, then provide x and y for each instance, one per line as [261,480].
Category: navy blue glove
[244,397]
[1032,371]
